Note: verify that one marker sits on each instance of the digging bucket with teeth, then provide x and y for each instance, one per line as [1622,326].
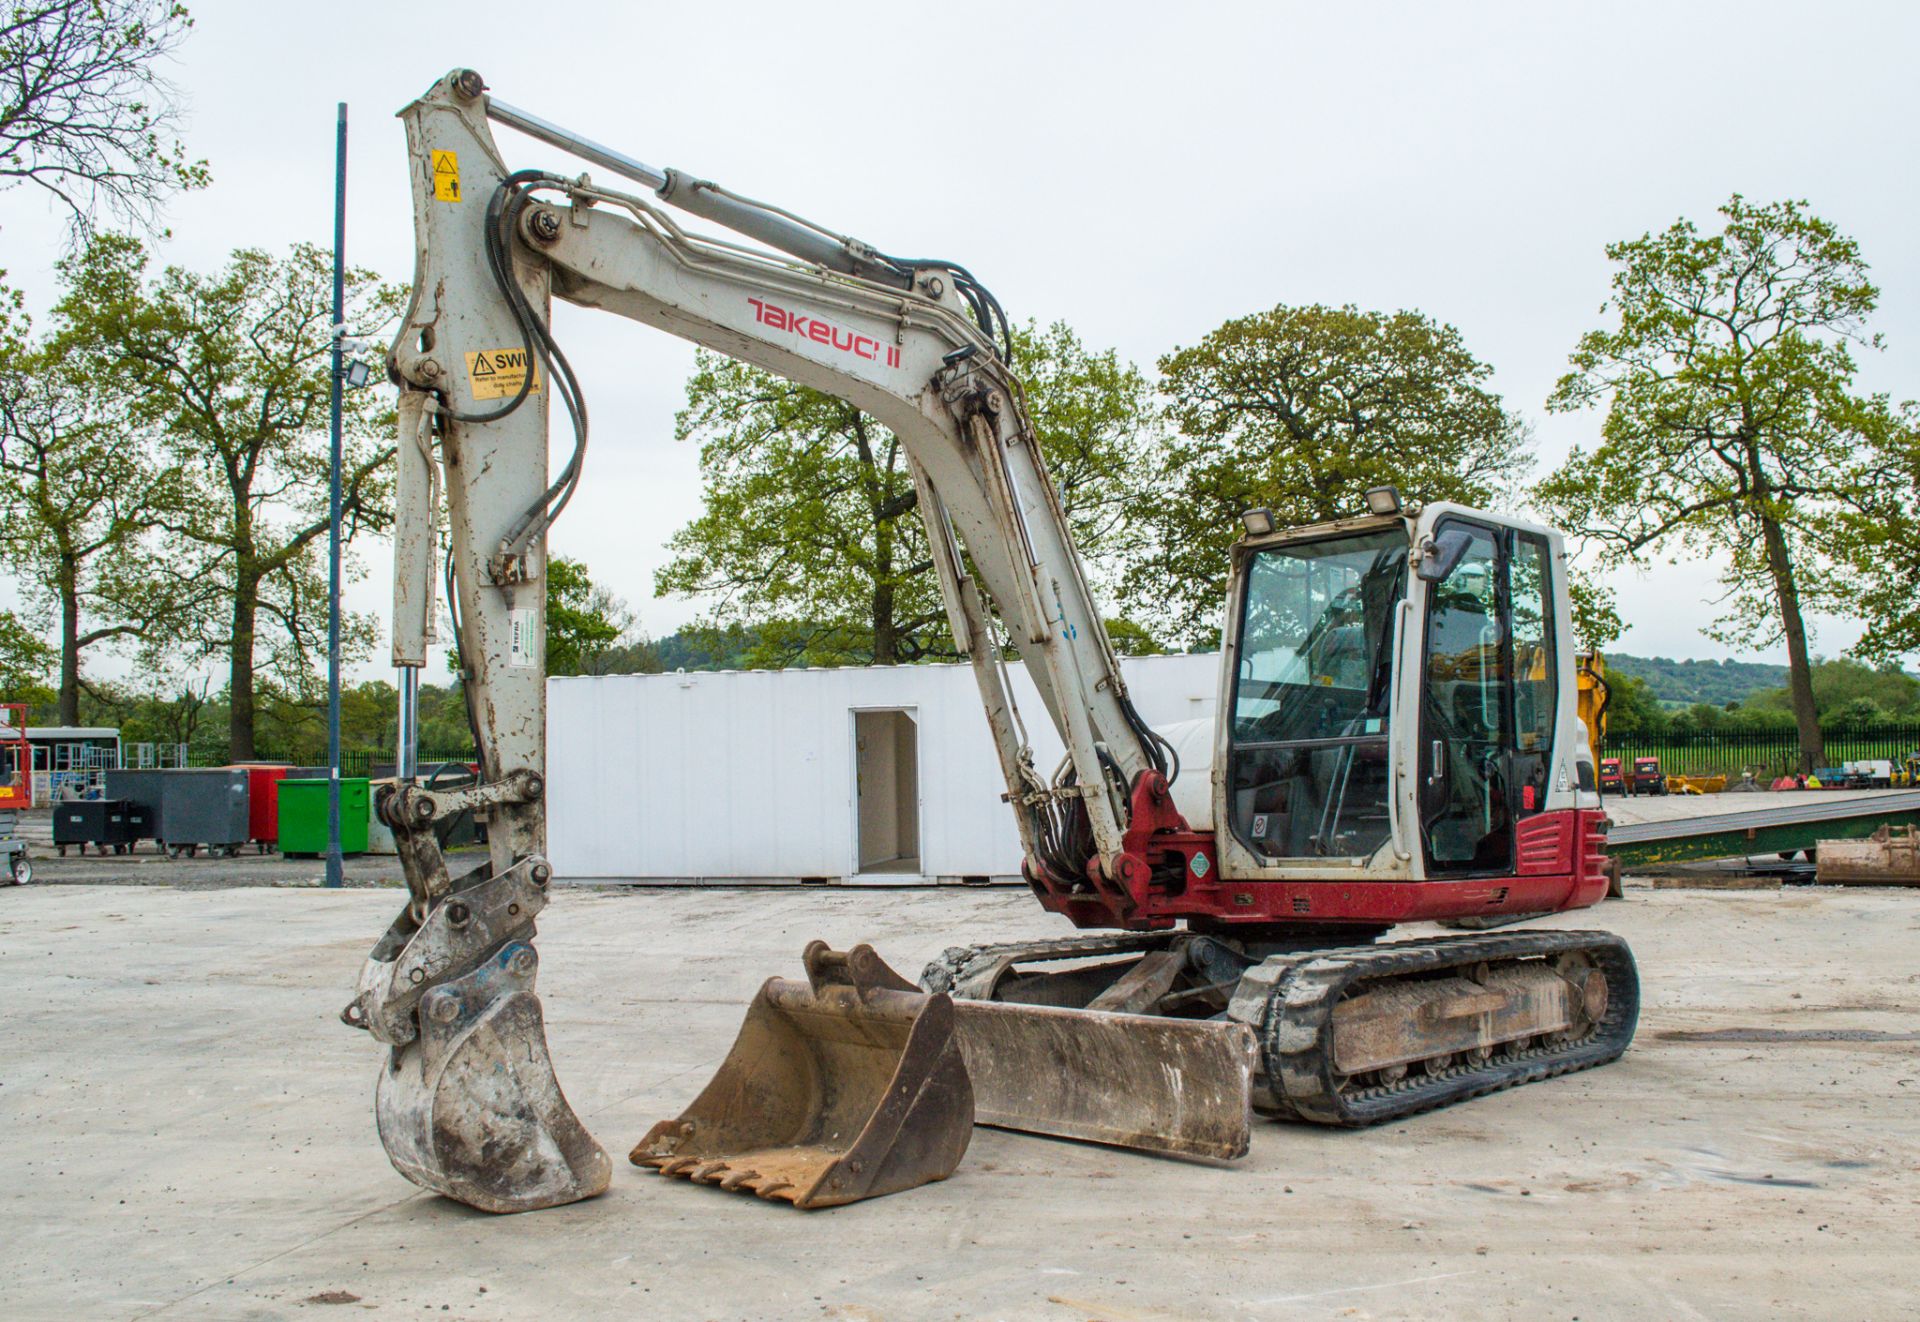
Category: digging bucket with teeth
[849,1085]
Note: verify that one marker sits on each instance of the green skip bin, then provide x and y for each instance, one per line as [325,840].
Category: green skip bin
[303,816]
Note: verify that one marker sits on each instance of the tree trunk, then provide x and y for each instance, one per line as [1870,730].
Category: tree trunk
[886,642]
[1813,750]
[240,672]
[69,645]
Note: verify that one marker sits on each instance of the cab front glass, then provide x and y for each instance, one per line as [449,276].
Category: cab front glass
[1309,764]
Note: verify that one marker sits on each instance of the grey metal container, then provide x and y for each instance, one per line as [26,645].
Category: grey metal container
[84,822]
[144,789]
[188,806]
[204,807]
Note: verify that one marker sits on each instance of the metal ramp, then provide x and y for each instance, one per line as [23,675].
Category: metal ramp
[1774,828]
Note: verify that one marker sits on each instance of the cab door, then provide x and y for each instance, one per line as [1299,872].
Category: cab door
[1467,743]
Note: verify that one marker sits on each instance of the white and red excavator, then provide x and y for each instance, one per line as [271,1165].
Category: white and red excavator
[1397,741]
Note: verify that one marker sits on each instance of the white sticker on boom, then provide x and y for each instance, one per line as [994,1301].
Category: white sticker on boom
[520,639]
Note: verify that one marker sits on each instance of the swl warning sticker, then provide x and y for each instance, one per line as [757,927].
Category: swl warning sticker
[497,373]
[446,176]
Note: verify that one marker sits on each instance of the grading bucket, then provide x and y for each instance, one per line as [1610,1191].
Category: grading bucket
[847,1086]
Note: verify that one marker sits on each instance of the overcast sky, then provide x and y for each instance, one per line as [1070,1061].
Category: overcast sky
[1144,171]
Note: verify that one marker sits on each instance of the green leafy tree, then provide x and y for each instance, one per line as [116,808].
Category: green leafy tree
[25,661]
[585,622]
[811,534]
[232,370]
[1596,612]
[81,489]
[1731,422]
[85,112]
[1132,639]
[637,656]
[167,709]
[1859,711]
[1632,709]
[291,724]
[806,507]
[443,725]
[1300,410]
[1847,692]
[1876,533]
[1723,682]
[589,629]
[708,647]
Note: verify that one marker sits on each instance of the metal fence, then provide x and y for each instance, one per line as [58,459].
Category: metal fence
[365,761]
[353,761]
[1767,754]
[76,783]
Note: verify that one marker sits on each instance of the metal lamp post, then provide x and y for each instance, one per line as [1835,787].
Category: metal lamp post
[334,871]
[354,374]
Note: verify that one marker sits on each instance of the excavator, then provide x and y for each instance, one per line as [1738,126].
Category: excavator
[1397,742]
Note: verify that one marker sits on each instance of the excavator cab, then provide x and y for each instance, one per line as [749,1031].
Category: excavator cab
[1395,707]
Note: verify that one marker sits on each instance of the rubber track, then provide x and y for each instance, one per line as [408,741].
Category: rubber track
[1297,1043]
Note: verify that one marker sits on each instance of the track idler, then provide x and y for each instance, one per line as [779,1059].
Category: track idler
[849,1085]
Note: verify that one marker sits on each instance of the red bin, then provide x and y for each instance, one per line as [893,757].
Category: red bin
[263,800]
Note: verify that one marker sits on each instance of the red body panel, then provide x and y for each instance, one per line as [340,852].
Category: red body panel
[1543,844]
[1561,864]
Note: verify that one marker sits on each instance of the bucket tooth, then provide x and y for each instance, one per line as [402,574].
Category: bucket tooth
[847,1086]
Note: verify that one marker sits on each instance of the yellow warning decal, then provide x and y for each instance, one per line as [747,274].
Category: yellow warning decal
[497,373]
[446,176]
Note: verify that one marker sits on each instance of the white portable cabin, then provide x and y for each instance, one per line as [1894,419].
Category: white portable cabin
[859,774]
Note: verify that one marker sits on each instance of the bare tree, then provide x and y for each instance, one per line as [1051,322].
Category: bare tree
[85,112]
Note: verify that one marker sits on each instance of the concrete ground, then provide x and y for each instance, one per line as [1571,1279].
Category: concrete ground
[186,1130]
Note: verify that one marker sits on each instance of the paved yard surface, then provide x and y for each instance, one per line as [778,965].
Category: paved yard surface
[186,1131]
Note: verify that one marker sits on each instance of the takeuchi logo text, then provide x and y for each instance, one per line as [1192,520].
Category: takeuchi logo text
[825,332]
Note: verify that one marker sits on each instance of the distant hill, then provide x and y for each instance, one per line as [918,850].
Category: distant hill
[1683,683]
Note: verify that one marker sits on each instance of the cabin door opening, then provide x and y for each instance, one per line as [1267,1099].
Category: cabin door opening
[886,776]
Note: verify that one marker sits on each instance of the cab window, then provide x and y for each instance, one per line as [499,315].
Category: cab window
[1309,765]
[1536,688]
